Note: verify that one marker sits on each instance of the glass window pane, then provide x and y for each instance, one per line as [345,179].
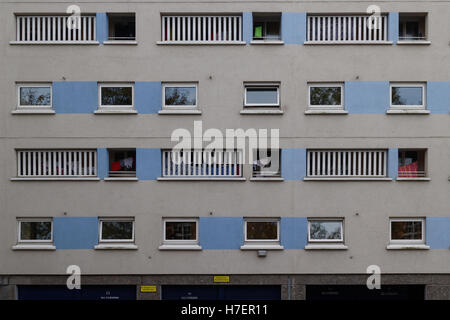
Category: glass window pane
[117,230]
[34,96]
[266,163]
[117,96]
[180,96]
[325,96]
[36,230]
[325,230]
[406,230]
[262,230]
[267,96]
[181,230]
[407,96]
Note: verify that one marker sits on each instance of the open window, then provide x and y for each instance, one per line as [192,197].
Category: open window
[266,163]
[411,163]
[266,26]
[121,27]
[122,163]
[413,27]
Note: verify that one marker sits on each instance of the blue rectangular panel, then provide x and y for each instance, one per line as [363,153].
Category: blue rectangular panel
[75,96]
[221,232]
[148,164]
[438,232]
[293,164]
[294,232]
[75,232]
[148,97]
[366,96]
[293,27]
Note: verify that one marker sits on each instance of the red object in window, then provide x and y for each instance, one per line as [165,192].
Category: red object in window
[115,166]
[409,171]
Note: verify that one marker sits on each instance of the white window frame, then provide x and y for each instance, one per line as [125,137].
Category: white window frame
[181,242]
[340,220]
[277,240]
[256,85]
[100,230]
[183,85]
[115,85]
[408,107]
[325,85]
[421,241]
[19,229]
[34,85]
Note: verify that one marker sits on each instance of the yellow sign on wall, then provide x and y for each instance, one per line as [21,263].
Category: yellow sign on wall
[148,288]
[221,278]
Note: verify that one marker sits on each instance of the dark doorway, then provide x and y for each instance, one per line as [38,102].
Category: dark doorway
[221,292]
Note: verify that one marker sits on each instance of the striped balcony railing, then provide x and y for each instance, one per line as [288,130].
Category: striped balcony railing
[201,163]
[347,163]
[55,29]
[347,29]
[201,29]
[57,163]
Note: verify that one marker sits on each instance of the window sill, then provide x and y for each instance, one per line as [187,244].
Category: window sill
[326,247]
[36,111]
[413,42]
[414,179]
[120,42]
[187,247]
[262,247]
[407,111]
[267,42]
[116,246]
[195,43]
[42,247]
[200,179]
[266,179]
[348,42]
[55,179]
[180,112]
[407,247]
[325,112]
[121,179]
[118,111]
[262,112]
[348,179]
[54,42]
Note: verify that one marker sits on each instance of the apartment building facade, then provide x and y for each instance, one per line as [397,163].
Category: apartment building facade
[360,94]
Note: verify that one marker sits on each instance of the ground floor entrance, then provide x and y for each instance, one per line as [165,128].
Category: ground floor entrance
[87,292]
[221,292]
[361,292]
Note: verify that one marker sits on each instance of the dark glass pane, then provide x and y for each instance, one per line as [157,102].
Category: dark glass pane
[117,230]
[262,230]
[412,30]
[181,231]
[325,96]
[325,230]
[262,96]
[117,96]
[407,96]
[408,157]
[266,163]
[34,96]
[180,96]
[36,230]
[122,160]
[406,230]
[122,27]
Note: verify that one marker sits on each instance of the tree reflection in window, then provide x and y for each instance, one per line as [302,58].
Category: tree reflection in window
[325,96]
[35,96]
[117,230]
[180,96]
[117,96]
[325,230]
[41,230]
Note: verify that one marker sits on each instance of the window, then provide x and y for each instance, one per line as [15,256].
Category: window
[122,162]
[412,26]
[266,26]
[180,95]
[35,230]
[122,26]
[116,96]
[262,95]
[326,96]
[181,231]
[262,230]
[411,163]
[326,230]
[33,96]
[407,230]
[116,230]
[407,96]
[266,163]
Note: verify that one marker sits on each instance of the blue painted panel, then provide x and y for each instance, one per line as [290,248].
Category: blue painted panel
[393,163]
[438,232]
[148,97]
[293,232]
[438,97]
[101,27]
[102,163]
[148,164]
[221,232]
[393,28]
[247,26]
[75,97]
[75,232]
[293,164]
[293,27]
[366,97]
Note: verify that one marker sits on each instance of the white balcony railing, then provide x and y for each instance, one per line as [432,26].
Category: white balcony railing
[347,29]
[201,29]
[346,163]
[57,163]
[55,29]
[201,163]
